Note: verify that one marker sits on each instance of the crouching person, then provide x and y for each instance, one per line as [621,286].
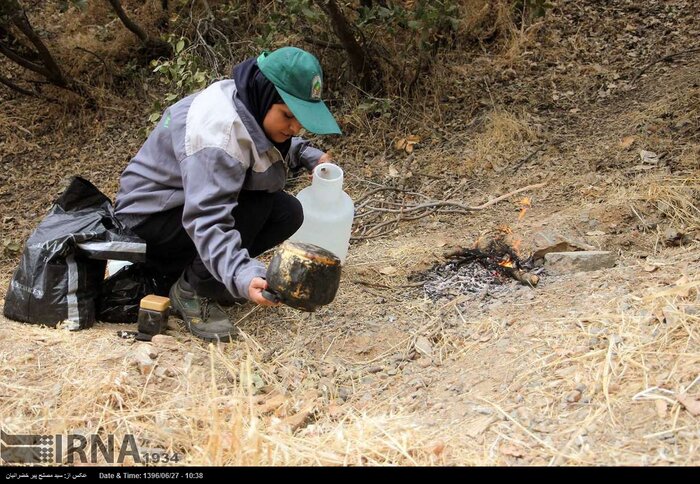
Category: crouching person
[205,191]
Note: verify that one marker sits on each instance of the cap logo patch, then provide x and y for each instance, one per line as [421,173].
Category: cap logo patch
[316,88]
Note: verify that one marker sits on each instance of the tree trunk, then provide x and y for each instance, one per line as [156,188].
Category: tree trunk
[153,48]
[53,71]
[12,12]
[364,67]
[128,23]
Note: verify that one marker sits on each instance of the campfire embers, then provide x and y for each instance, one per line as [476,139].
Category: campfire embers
[502,261]
[484,268]
[455,278]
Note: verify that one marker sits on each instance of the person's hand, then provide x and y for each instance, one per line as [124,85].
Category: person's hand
[257,286]
[325,158]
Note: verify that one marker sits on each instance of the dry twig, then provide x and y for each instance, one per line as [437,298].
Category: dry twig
[372,228]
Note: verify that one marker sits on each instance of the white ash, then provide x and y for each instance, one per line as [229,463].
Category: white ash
[451,280]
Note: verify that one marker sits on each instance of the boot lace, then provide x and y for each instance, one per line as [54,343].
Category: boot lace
[204,308]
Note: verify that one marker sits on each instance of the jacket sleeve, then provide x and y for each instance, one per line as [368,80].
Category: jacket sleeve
[212,180]
[302,154]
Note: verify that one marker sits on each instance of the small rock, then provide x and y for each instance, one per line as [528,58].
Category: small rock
[584,261]
[398,358]
[325,385]
[423,345]
[548,241]
[425,362]
[164,371]
[674,237]
[143,360]
[573,396]
[417,383]
[483,410]
[344,393]
[648,157]
[149,350]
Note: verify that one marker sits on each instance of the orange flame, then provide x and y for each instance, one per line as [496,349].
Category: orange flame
[506,262]
[525,203]
[516,245]
[504,228]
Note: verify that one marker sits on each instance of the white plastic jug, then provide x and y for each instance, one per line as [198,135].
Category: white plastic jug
[328,212]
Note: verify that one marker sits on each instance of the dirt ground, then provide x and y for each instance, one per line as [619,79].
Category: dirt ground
[587,368]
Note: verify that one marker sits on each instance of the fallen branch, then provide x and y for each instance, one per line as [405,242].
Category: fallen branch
[385,286]
[663,59]
[523,277]
[449,203]
[428,208]
[104,63]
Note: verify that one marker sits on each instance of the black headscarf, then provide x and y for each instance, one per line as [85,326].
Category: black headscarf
[258,94]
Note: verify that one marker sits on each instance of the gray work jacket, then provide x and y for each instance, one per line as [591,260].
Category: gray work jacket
[203,152]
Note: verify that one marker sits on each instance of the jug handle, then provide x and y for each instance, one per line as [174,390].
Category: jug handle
[271,296]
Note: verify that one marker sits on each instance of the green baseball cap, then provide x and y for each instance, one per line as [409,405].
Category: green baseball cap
[298,78]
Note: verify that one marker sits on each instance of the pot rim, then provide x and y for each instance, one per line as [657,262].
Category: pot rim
[309,251]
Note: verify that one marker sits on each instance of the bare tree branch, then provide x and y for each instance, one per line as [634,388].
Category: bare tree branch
[323,43]
[361,62]
[26,63]
[154,47]
[17,88]
[12,12]
[21,21]
[128,23]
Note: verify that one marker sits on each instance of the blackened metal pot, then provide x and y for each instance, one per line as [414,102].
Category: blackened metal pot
[302,276]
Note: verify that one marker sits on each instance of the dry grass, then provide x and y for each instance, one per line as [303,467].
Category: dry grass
[264,400]
[206,409]
[503,134]
[678,198]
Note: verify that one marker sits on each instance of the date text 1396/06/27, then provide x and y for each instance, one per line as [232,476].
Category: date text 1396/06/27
[145,474]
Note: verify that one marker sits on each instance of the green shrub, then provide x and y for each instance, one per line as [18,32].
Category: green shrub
[183,75]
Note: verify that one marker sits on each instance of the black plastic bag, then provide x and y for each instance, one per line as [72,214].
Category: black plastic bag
[122,292]
[58,278]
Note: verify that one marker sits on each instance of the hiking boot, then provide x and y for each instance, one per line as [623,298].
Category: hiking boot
[203,316]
